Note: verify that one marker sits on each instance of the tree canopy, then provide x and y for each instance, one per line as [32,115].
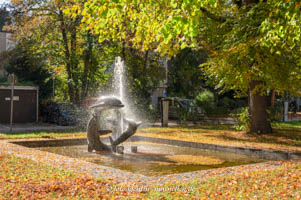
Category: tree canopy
[259,40]
[71,53]
[252,45]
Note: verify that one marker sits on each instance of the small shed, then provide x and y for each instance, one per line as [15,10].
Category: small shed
[26,104]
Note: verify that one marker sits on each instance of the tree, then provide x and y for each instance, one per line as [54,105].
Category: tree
[71,52]
[252,45]
[185,77]
[3,16]
[145,71]
[28,68]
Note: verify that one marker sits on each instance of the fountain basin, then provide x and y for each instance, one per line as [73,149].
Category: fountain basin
[156,156]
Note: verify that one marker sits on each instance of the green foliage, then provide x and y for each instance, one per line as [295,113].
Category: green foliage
[153,113]
[276,113]
[229,104]
[184,116]
[244,43]
[242,55]
[185,77]
[72,53]
[30,69]
[144,74]
[205,100]
[225,105]
[242,119]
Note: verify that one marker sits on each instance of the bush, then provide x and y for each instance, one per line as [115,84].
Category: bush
[226,105]
[242,117]
[205,100]
[229,104]
[276,113]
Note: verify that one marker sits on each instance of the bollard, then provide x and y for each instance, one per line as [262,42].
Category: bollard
[134,149]
[120,149]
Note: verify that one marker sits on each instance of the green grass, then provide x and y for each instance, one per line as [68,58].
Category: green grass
[285,136]
[291,124]
[42,134]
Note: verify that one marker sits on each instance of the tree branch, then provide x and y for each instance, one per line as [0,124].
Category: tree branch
[212,16]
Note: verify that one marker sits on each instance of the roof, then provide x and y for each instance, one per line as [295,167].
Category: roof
[19,87]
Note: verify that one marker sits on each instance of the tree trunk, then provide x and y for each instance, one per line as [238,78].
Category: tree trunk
[260,123]
[123,52]
[67,56]
[87,62]
[258,110]
[74,62]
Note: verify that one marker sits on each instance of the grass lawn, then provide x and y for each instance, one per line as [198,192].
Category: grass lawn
[25,179]
[43,134]
[286,136]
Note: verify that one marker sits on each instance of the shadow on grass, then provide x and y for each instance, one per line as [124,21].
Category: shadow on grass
[261,139]
[284,133]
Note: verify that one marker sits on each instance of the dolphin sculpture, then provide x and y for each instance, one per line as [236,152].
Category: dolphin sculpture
[131,130]
[94,131]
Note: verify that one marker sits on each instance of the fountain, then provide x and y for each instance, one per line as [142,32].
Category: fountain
[145,155]
[117,120]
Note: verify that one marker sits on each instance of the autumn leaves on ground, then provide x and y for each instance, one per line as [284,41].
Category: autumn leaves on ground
[26,179]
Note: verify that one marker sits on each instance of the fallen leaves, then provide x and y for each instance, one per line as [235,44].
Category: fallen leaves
[284,137]
[24,179]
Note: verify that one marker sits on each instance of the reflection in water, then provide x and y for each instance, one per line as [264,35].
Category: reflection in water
[156,159]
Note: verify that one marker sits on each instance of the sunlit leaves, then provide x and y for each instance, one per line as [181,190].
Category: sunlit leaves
[244,42]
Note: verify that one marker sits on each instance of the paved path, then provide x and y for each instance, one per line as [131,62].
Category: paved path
[30,127]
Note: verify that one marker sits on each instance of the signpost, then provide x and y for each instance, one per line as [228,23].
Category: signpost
[12,80]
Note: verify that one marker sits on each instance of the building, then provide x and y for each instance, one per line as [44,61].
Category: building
[25,98]
[26,105]
[5,37]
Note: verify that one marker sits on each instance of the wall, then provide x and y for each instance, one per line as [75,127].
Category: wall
[5,44]
[25,104]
